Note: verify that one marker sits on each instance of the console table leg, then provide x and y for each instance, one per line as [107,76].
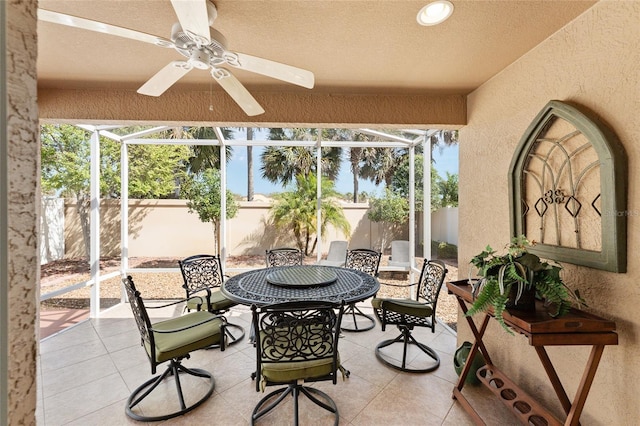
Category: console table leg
[478,345]
[553,377]
[585,384]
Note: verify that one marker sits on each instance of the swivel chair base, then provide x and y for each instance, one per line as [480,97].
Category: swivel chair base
[352,312]
[233,337]
[263,406]
[406,339]
[174,369]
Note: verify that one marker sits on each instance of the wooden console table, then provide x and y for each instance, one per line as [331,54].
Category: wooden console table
[575,328]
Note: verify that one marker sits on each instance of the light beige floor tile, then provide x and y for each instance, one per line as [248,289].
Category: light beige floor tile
[78,334]
[77,385]
[70,405]
[108,327]
[122,340]
[78,374]
[70,355]
[111,415]
[131,357]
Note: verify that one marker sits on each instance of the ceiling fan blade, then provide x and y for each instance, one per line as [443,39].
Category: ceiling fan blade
[101,27]
[273,69]
[194,19]
[237,91]
[165,78]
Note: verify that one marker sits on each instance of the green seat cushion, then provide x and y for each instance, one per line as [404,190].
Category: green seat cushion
[172,345]
[293,366]
[218,302]
[287,371]
[195,303]
[403,306]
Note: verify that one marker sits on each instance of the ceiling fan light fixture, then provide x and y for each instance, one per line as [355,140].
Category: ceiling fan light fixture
[435,13]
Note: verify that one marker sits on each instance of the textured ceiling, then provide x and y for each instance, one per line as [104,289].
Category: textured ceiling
[350,46]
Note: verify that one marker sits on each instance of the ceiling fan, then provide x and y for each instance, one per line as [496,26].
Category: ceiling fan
[203,47]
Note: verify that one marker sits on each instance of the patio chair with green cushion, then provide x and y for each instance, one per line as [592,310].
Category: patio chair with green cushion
[409,313]
[284,256]
[296,342]
[367,261]
[172,340]
[203,277]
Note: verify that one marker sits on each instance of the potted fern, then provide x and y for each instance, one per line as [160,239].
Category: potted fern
[513,280]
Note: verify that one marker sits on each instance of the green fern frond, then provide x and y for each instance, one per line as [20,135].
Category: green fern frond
[485,297]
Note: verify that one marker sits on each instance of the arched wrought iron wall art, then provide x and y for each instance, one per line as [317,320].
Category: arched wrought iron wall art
[568,190]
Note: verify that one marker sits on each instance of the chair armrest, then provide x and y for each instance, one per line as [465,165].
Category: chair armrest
[212,318]
[175,302]
[399,285]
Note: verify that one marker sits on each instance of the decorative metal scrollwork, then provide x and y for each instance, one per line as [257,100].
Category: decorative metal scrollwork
[554,196]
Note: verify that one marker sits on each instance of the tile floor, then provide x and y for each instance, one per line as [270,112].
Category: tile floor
[87,372]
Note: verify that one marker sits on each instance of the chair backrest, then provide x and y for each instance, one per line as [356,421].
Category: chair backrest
[142,319]
[431,279]
[201,272]
[296,332]
[400,252]
[337,251]
[363,260]
[285,256]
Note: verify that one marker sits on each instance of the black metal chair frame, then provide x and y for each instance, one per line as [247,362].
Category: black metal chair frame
[175,367]
[431,278]
[367,261]
[285,256]
[202,273]
[297,332]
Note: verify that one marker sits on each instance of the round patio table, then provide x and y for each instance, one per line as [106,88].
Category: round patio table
[295,283]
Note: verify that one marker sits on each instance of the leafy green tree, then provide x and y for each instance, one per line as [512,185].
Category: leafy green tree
[65,155]
[392,209]
[295,210]
[65,163]
[448,189]
[282,164]
[203,192]
[400,182]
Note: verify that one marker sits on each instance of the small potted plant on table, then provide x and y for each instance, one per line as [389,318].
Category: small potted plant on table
[514,279]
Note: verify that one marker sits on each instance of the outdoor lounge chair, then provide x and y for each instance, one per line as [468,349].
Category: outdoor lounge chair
[399,259]
[407,314]
[337,254]
[203,277]
[367,261]
[296,342]
[172,340]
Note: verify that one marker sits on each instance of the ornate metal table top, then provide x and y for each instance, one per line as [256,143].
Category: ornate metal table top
[253,287]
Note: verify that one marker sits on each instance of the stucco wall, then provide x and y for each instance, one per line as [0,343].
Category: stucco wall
[592,62]
[19,130]
[165,228]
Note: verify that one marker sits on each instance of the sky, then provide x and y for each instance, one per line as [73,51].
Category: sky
[445,160]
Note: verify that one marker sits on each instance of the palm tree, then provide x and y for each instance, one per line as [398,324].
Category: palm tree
[203,156]
[250,181]
[380,165]
[249,165]
[284,163]
[295,210]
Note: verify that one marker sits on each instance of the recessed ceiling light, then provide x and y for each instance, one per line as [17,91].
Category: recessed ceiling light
[435,12]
